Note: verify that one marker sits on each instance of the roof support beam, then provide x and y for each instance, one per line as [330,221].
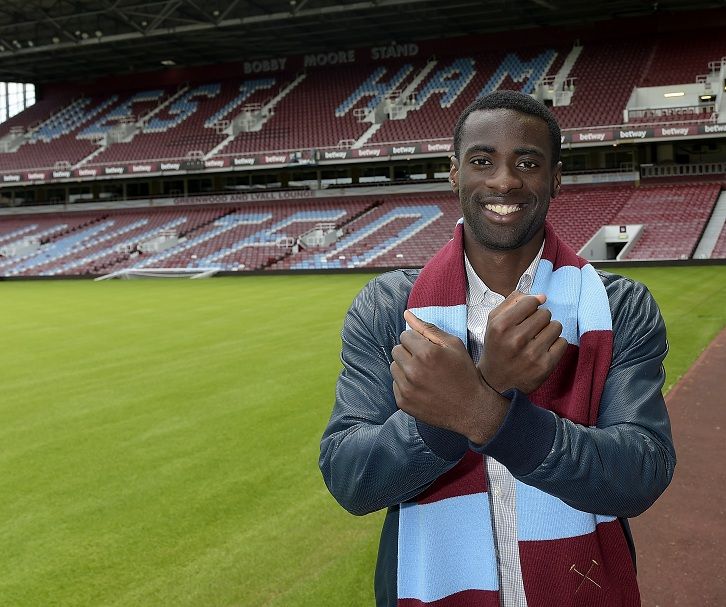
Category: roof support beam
[230,7]
[202,26]
[62,31]
[167,11]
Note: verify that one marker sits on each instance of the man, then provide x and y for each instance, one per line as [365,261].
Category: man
[505,402]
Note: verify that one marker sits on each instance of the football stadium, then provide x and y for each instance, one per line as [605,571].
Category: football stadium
[254,164]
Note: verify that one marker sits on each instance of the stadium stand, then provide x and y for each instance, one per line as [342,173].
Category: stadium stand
[411,226]
[323,108]
[381,231]
[604,70]
[578,212]
[232,238]
[672,62]
[251,238]
[439,99]
[320,112]
[187,124]
[36,113]
[674,217]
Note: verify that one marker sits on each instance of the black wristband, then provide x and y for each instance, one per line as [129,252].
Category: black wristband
[484,379]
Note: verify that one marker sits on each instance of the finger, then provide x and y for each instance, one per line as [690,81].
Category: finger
[399,376]
[515,296]
[558,349]
[401,354]
[531,326]
[512,313]
[400,385]
[415,343]
[397,394]
[399,379]
[546,338]
[427,329]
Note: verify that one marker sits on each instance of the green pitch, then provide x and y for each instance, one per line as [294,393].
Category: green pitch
[159,439]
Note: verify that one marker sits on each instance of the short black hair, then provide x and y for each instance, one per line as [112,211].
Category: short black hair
[519,102]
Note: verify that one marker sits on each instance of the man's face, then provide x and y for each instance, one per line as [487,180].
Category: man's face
[504,177]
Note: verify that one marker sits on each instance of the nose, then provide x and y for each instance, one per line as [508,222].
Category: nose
[504,179]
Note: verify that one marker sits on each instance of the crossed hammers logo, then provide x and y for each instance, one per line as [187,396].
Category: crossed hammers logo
[585,576]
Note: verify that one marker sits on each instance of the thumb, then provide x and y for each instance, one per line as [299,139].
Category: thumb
[428,330]
[515,296]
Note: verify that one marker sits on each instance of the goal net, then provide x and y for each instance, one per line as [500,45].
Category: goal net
[161,273]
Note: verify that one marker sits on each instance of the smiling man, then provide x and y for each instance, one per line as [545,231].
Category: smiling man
[504,403]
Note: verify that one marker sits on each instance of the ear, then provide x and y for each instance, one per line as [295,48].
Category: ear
[556,180]
[454,174]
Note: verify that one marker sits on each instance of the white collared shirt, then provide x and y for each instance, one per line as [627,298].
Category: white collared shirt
[480,301]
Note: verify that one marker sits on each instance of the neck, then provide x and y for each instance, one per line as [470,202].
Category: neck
[500,270]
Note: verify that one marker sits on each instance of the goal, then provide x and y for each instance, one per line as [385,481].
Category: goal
[161,273]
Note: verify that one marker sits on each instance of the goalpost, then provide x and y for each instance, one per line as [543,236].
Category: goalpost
[130,273]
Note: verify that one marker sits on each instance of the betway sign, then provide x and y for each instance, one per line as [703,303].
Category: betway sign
[635,133]
[592,136]
[334,155]
[712,128]
[370,152]
[440,148]
[675,131]
[408,150]
[114,170]
[437,147]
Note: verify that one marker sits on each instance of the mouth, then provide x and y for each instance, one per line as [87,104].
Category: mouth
[503,209]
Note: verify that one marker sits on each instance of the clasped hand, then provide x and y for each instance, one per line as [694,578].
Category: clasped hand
[436,381]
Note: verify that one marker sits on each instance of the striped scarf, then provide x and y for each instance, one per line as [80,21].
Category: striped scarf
[446,549]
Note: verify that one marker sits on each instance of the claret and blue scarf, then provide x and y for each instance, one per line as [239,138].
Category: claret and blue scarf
[446,547]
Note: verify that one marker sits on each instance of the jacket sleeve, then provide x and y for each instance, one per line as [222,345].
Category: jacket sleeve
[372,454]
[620,466]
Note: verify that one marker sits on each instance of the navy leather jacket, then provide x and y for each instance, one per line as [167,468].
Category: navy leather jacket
[373,455]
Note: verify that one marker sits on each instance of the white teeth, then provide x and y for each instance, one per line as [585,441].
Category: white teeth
[503,209]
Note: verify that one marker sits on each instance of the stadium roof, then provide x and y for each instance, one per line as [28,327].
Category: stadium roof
[57,40]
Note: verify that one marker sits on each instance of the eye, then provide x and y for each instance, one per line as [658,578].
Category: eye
[527,164]
[480,161]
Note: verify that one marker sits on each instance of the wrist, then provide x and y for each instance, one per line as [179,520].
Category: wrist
[491,378]
[525,437]
[489,409]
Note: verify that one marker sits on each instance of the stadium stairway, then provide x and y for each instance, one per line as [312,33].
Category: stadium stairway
[714,228]
[82,255]
[189,233]
[719,250]
[75,228]
[265,112]
[397,102]
[166,102]
[14,234]
[58,248]
[269,236]
[7,262]
[225,224]
[120,250]
[288,257]
[373,234]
